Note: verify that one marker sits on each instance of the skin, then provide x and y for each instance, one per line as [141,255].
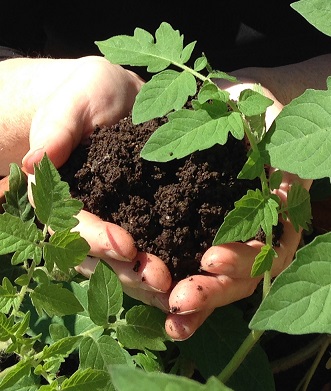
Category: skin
[53,105]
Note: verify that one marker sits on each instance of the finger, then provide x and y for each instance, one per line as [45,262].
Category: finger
[145,273]
[181,327]
[201,292]
[106,240]
[155,299]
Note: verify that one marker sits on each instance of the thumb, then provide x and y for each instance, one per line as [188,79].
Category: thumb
[56,129]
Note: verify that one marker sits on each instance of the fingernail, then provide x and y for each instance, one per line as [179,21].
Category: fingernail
[187,312]
[115,255]
[149,287]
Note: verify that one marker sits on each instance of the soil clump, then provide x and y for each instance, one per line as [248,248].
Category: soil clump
[171,209]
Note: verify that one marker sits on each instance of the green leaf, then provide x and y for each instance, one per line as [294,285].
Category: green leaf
[66,249]
[55,300]
[251,212]
[20,238]
[100,353]
[54,205]
[154,381]
[105,295]
[263,260]
[299,300]
[209,91]
[62,347]
[188,131]
[144,329]
[166,91]
[8,296]
[316,12]
[147,362]
[275,180]
[17,202]
[300,139]
[12,375]
[253,103]
[82,323]
[86,380]
[6,327]
[253,167]
[215,342]
[26,383]
[200,64]
[142,50]
[299,206]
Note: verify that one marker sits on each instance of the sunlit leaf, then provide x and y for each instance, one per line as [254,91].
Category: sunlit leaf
[299,301]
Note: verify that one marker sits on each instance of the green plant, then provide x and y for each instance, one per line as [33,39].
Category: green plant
[48,312]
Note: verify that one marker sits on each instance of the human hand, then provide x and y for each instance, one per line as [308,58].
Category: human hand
[226,269]
[58,103]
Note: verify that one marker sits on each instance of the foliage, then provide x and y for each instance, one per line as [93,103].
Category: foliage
[50,315]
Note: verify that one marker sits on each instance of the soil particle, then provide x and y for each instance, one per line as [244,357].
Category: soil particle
[172,210]
[137,266]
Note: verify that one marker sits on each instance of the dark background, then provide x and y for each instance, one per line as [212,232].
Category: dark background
[233,34]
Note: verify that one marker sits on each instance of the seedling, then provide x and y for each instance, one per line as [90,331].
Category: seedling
[112,334]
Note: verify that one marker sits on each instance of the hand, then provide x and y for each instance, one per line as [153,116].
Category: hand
[226,268]
[58,103]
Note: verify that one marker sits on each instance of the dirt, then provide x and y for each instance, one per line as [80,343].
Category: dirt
[171,209]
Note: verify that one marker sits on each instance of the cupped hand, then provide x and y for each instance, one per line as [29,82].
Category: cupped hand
[226,269]
[65,101]
[88,91]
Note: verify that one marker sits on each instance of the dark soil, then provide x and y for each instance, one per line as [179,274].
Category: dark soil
[171,209]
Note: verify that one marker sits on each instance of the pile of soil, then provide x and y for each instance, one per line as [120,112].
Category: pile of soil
[171,209]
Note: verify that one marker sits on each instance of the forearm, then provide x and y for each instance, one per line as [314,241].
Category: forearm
[289,81]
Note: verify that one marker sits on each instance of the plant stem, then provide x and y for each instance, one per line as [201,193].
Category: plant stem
[24,288]
[298,357]
[240,355]
[303,386]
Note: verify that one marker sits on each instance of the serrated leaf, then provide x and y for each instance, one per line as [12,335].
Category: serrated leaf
[6,327]
[317,13]
[299,206]
[85,380]
[55,300]
[253,167]
[83,323]
[17,202]
[300,139]
[20,238]
[251,212]
[263,261]
[8,296]
[209,91]
[101,353]
[147,362]
[154,381]
[66,249]
[12,375]
[252,103]
[105,295]
[299,300]
[26,383]
[188,131]
[144,329]
[54,205]
[62,347]
[142,50]
[166,91]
